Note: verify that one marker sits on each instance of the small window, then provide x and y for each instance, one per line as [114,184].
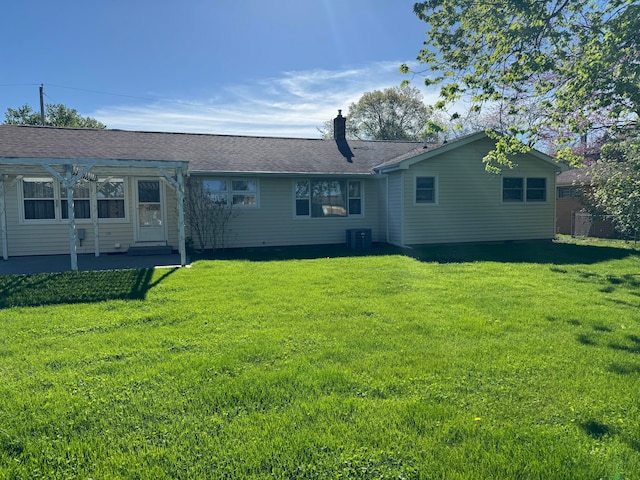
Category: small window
[536,189]
[569,192]
[81,201]
[512,189]
[355,198]
[425,190]
[244,192]
[302,198]
[39,199]
[215,192]
[111,198]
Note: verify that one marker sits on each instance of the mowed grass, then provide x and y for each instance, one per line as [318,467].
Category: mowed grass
[503,361]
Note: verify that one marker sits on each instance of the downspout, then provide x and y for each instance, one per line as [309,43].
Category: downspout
[386,181]
[3,221]
[555,205]
[402,208]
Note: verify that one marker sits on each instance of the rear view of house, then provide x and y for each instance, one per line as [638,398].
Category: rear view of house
[103,191]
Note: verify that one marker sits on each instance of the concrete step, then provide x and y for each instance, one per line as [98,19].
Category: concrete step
[150,250]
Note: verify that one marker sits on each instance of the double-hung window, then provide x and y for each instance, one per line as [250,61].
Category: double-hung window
[110,198]
[319,198]
[81,201]
[425,190]
[39,198]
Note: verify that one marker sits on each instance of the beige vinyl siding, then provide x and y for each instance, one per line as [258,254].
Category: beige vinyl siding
[395,200]
[172,217]
[274,222]
[469,206]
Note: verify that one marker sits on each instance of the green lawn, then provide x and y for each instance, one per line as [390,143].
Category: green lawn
[500,361]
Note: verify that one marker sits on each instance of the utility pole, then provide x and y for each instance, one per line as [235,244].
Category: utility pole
[42,104]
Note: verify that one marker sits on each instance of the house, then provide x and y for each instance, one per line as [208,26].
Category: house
[102,191]
[574,214]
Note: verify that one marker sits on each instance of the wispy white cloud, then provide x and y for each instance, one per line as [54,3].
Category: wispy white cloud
[294,104]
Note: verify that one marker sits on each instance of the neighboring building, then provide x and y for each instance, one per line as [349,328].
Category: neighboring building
[128,190]
[574,214]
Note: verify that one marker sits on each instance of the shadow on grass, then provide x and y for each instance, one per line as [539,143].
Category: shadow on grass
[632,345]
[625,368]
[595,429]
[76,287]
[510,252]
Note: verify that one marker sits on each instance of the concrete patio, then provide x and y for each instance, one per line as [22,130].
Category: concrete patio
[62,263]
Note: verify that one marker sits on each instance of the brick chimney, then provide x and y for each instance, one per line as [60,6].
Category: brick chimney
[340,127]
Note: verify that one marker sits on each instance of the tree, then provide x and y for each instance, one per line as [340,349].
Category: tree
[579,60]
[208,216]
[56,115]
[616,182]
[396,113]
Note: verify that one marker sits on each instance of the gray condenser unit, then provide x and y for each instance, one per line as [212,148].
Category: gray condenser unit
[358,237]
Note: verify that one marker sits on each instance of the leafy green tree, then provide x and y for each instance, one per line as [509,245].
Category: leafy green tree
[616,185]
[577,59]
[397,113]
[56,115]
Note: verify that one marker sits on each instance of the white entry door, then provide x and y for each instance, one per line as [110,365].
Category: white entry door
[150,212]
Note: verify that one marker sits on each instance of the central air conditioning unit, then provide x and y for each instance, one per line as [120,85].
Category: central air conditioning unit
[359,237]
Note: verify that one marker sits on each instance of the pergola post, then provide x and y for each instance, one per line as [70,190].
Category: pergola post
[178,184]
[69,184]
[94,218]
[180,201]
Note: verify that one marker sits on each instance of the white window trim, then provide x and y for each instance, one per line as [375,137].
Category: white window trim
[57,204]
[64,198]
[348,215]
[361,197]
[230,192]
[436,191]
[243,192]
[127,196]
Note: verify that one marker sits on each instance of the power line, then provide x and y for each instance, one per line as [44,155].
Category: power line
[102,92]
[18,84]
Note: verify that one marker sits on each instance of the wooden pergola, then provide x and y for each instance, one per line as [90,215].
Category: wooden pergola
[73,171]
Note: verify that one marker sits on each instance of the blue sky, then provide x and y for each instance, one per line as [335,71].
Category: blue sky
[246,67]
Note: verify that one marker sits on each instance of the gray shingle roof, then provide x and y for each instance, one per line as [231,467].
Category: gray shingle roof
[575,176]
[205,153]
